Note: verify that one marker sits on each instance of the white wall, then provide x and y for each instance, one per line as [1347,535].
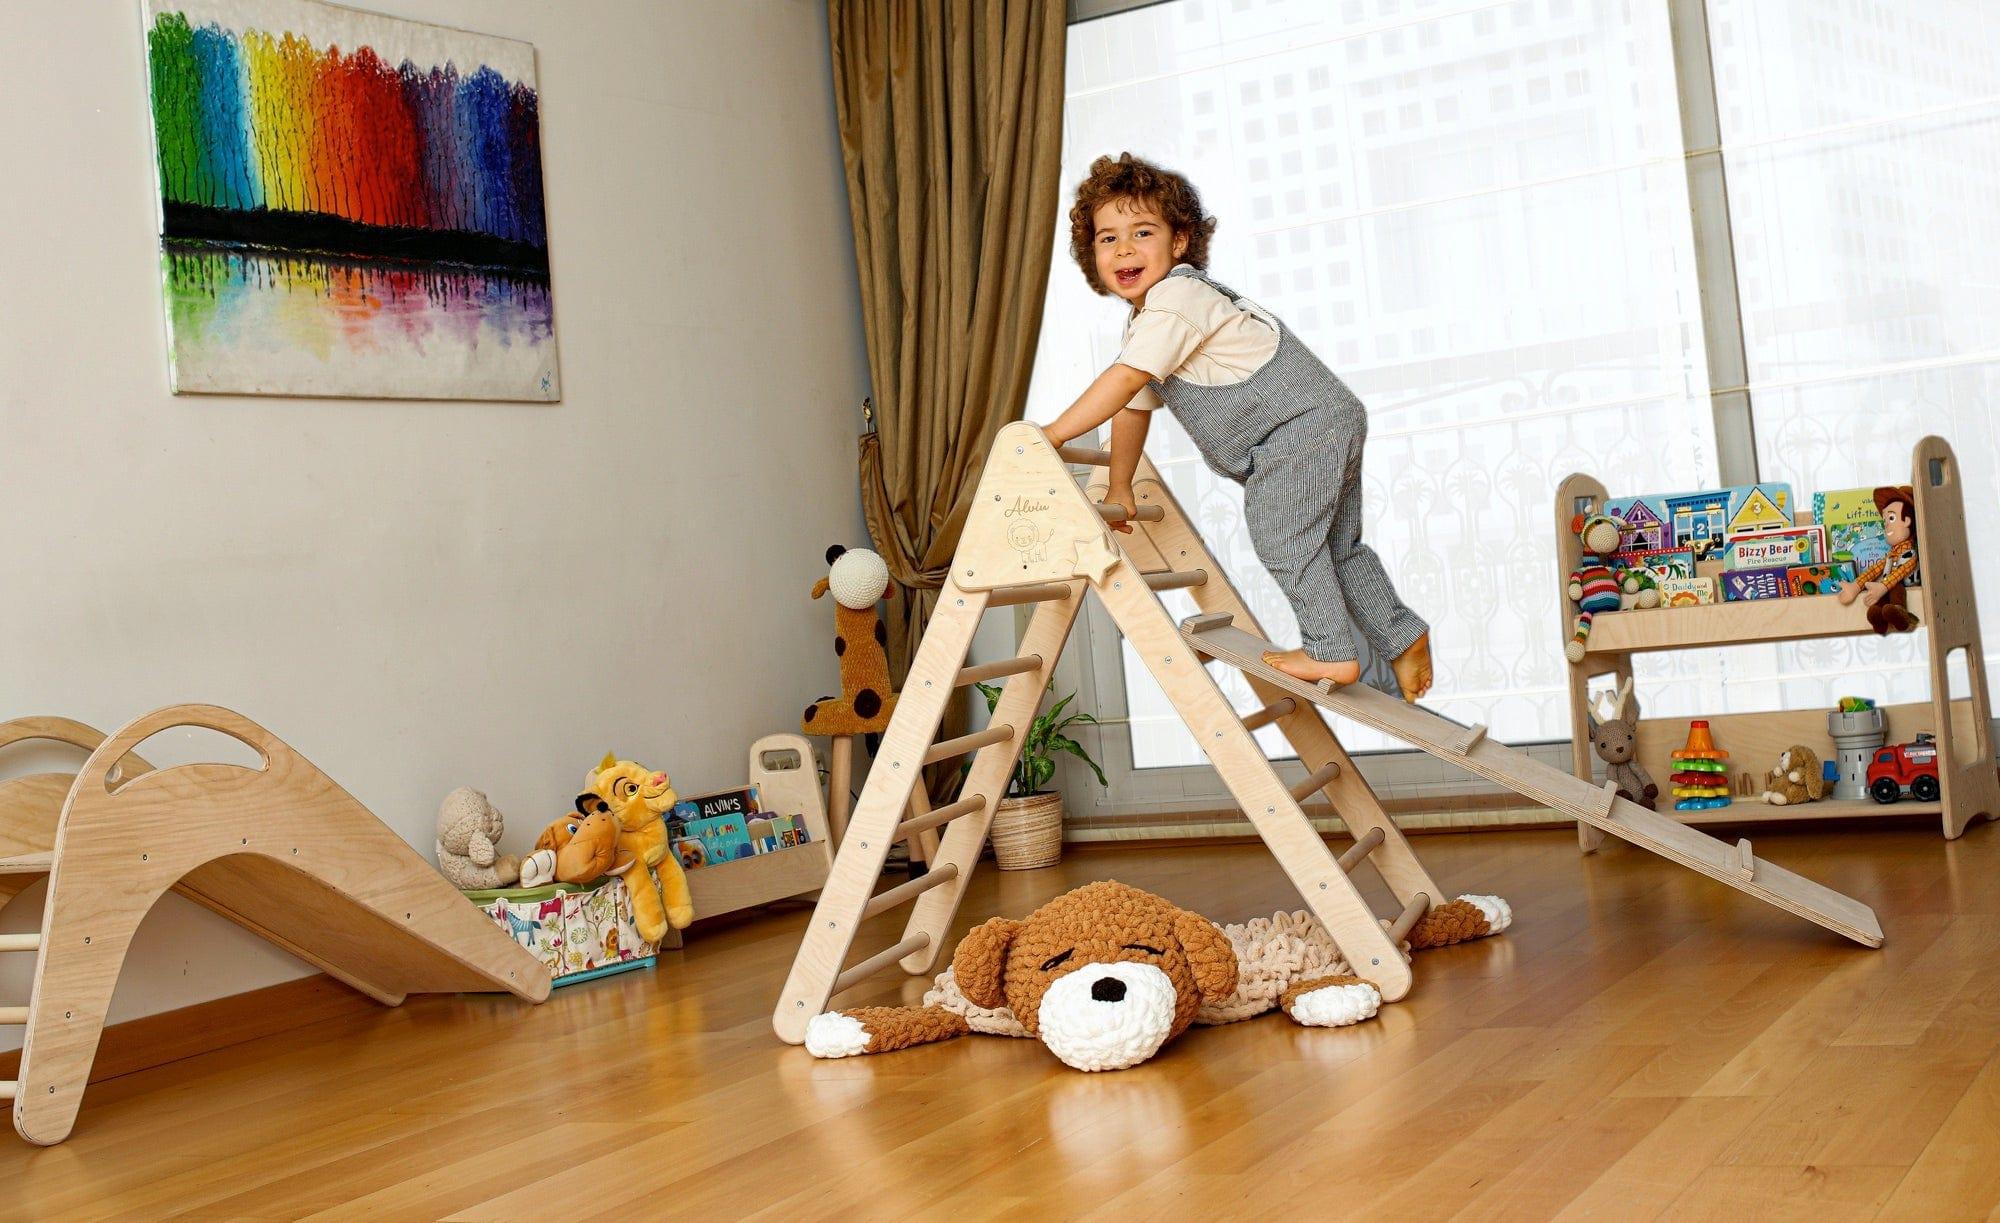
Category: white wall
[419,595]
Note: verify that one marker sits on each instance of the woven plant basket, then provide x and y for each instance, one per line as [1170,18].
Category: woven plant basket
[1027,832]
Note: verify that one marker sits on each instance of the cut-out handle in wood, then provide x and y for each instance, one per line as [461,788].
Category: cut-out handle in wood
[102,767]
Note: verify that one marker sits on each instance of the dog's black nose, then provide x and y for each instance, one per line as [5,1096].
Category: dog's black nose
[1107,989]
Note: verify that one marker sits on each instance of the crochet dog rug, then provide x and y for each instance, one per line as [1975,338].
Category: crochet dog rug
[1107,974]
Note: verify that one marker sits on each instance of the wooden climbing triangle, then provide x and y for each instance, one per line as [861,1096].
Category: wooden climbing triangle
[1034,537]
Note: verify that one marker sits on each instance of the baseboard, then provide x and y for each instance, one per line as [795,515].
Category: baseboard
[155,1040]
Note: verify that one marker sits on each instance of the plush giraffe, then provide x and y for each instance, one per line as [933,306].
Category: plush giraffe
[859,580]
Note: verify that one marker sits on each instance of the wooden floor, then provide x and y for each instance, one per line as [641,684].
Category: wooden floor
[1643,1044]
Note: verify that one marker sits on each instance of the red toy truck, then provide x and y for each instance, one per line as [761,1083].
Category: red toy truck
[1907,768]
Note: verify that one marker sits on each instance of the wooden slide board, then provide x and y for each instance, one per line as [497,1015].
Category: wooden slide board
[1552,787]
[280,849]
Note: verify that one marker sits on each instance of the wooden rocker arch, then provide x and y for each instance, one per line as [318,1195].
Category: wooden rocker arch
[278,848]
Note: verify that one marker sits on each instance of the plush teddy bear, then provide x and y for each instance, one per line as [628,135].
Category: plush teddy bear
[1107,974]
[1797,779]
[468,831]
[637,799]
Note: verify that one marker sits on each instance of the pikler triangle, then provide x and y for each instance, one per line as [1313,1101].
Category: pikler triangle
[1034,537]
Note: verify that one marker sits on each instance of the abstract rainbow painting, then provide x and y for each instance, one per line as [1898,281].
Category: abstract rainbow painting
[350,204]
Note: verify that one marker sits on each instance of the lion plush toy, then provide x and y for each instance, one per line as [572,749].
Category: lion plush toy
[637,800]
[1105,975]
[574,849]
[1797,779]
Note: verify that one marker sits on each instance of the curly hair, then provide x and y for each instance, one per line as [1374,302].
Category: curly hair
[1130,178]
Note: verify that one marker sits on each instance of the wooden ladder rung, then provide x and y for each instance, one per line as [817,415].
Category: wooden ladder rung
[996,670]
[9,1088]
[1364,845]
[966,743]
[1143,513]
[1036,592]
[1317,782]
[1412,913]
[943,815]
[20,942]
[1195,625]
[1743,860]
[27,864]
[1084,456]
[1170,579]
[884,901]
[13,1014]
[881,960]
[1468,740]
[1283,707]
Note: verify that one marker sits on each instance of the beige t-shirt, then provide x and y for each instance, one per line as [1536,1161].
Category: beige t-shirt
[1189,330]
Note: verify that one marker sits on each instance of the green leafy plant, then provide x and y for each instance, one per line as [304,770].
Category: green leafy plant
[1045,739]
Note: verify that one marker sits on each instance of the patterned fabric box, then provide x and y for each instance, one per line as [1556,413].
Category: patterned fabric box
[575,930]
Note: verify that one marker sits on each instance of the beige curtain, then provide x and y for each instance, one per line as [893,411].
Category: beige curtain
[951,129]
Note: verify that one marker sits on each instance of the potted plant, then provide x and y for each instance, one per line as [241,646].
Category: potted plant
[1027,823]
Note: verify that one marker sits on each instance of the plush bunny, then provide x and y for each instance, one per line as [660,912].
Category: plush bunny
[1614,734]
[1797,779]
[468,834]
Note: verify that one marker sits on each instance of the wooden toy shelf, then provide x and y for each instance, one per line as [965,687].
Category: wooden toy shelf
[1945,605]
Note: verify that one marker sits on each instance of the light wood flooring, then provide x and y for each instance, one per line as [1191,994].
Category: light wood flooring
[1643,1044]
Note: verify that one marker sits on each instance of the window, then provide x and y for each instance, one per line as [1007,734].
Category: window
[1492,242]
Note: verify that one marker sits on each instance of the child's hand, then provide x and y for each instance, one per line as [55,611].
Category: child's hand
[1122,496]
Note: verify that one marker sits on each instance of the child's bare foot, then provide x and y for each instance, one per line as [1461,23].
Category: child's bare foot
[1413,669]
[1300,665]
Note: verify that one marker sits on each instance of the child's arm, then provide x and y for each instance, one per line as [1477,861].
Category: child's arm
[1106,399]
[1112,390]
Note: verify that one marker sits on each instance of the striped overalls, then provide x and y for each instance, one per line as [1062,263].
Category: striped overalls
[1291,434]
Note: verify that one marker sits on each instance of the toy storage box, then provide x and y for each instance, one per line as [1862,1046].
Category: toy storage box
[579,931]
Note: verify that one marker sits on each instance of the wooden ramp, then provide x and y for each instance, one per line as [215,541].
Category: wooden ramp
[279,849]
[1467,747]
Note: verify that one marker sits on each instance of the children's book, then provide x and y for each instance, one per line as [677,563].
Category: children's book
[1756,508]
[739,801]
[1740,585]
[1645,523]
[1824,579]
[1687,591]
[1664,562]
[1853,526]
[724,838]
[1793,546]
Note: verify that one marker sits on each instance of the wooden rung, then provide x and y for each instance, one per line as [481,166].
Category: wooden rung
[943,815]
[994,670]
[1746,864]
[1039,592]
[1206,621]
[8,1089]
[881,960]
[967,743]
[1168,579]
[1363,846]
[13,1014]
[1464,744]
[1144,513]
[1283,707]
[27,864]
[1317,782]
[888,900]
[1412,913]
[20,942]
[1084,456]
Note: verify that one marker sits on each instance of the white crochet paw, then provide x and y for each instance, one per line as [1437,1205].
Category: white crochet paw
[1499,914]
[1337,1006]
[836,1035]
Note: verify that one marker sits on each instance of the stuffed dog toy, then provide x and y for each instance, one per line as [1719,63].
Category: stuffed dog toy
[1107,974]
